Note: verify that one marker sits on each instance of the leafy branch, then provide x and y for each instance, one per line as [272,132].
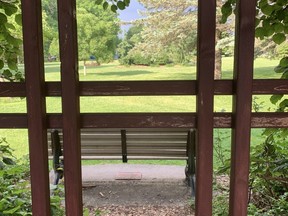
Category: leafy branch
[10,42]
[113,4]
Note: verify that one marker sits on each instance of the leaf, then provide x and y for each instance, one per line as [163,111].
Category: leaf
[10,9]
[105,5]
[3,18]
[12,64]
[1,64]
[121,5]
[260,32]
[114,8]
[86,212]
[284,62]
[279,69]
[12,211]
[278,27]
[269,32]
[257,22]
[279,38]
[127,2]
[98,2]
[267,9]
[2,165]
[18,19]
[263,3]
[275,98]
[266,23]
[226,10]
[284,104]
[286,29]
[8,161]
[7,73]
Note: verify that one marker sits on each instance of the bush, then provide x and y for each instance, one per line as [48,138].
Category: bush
[15,194]
[139,58]
[269,173]
[268,180]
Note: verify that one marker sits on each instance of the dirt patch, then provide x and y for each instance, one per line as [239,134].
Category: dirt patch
[139,198]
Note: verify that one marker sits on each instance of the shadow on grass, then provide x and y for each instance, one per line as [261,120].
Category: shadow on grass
[53,69]
[259,73]
[81,67]
[124,73]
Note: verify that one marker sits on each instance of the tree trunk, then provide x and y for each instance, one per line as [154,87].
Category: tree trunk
[218,64]
[84,68]
[218,51]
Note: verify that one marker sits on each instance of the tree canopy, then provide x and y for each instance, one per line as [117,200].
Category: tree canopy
[97,31]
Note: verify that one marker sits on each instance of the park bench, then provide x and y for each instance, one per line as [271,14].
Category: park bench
[130,144]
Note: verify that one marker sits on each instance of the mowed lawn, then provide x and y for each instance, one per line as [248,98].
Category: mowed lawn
[113,71]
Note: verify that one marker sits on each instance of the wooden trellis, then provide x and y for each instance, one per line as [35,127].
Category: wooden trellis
[241,120]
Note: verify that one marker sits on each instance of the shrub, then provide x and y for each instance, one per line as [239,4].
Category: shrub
[269,172]
[15,195]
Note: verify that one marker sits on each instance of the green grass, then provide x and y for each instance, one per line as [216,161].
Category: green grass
[114,71]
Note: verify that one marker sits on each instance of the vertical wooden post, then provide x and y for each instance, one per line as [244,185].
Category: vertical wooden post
[205,97]
[36,107]
[70,106]
[242,100]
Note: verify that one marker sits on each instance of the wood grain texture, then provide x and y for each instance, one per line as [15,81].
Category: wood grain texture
[70,106]
[204,106]
[146,88]
[147,120]
[36,107]
[242,104]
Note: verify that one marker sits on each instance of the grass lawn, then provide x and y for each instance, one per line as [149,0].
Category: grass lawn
[114,71]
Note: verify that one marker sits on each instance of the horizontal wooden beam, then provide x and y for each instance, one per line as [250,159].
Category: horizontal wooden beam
[147,120]
[146,88]
[12,89]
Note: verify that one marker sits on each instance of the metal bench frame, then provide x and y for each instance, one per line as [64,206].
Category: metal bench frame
[140,136]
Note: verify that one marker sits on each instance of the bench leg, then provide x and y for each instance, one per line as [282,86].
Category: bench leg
[191,178]
[58,165]
[190,167]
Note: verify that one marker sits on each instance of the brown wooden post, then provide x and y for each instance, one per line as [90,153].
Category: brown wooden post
[205,96]
[70,106]
[36,107]
[242,100]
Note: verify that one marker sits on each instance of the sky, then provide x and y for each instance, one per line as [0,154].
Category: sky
[130,13]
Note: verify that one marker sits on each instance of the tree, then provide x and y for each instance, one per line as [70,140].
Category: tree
[169,26]
[97,32]
[50,26]
[10,40]
[131,38]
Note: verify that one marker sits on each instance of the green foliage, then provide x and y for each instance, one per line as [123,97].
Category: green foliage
[10,42]
[114,5]
[6,157]
[131,38]
[97,32]
[282,50]
[269,174]
[168,32]
[221,204]
[15,195]
[139,58]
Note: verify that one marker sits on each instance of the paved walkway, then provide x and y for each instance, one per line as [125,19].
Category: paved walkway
[135,185]
[138,172]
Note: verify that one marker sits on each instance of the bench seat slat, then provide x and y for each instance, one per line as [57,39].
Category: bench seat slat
[106,144]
